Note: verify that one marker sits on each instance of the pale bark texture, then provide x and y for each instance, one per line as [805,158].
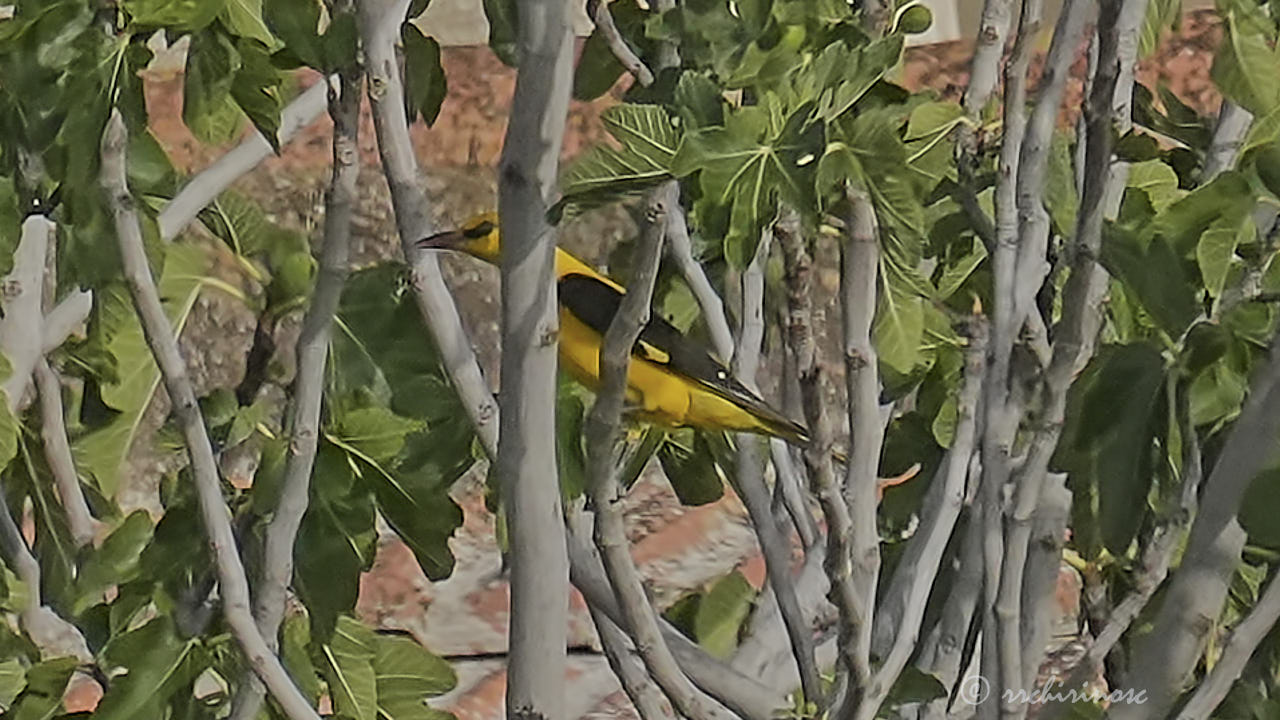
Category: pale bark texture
[526,450]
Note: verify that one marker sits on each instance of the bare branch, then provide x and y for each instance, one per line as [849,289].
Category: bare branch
[64,319]
[1245,638]
[822,478]
[744,695]
[20,328]
[602,435]
[646,696]
[1233,124]
[57,452]
[774,544]
[1040,576]
[859,276]
[680,248]
[233,586]
[379,30]
[209,184]
[984,69]
[598,11]
[272,589]
[1164,657]
[526,451]
[904,602]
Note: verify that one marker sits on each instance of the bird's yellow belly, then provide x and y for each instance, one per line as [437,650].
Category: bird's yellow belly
[659,396]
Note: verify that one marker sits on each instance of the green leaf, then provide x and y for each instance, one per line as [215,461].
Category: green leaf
[256,90]
[503,17]
[957,271]
[1217,248]
[1244,66]
[385,388]
[1227,197]
[1060,190]
[1257,512]
[103,451]
[748,166]
[691,468]
[115,562]
[297,23]
[336,541]
[425,85]
[1107,442]
[1158,181]
[571,457]
[13,679]
[46,682]
[406,675]
[1160,15]
[1156,275]
[915,686]
[180,15]
[295,636]
[598,69]
[244,18]
[932,118]
[348,666]
[1216,395]
[604,174]
[721,613]
[699,101]
[207,106]
[898,329]
[156,661]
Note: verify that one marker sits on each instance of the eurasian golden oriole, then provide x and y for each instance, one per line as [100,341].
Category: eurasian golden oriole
[672,381]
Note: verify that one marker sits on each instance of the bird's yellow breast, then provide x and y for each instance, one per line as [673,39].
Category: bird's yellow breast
[658,395]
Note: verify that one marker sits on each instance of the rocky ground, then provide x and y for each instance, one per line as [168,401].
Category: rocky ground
[677,548]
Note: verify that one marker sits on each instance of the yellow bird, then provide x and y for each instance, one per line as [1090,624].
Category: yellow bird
[671,380]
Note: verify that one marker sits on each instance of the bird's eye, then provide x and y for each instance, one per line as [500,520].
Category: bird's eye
[478,231]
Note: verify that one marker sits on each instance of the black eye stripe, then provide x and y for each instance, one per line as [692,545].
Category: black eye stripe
[478,231]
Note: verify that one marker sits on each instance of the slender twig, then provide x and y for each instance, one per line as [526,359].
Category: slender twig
[914,575]
[312,351]
[680,247]
[57,452]
[1244,640]
[646,696]
[65,317]
[1228,135]
[602,434]
[1165,656]
[379,32]
[209,183]
[1000,422]
[598,11]
[746,696]
[233,586]
[774,545]
[1072,346]
[817,457]
[859,278]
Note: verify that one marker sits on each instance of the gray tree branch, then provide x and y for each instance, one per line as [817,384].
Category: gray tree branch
[272,589]
[202,189]
[1164,657]
[233,586]
[822,478]
[859,281]
[598,11]
[379,22]
[602,435]
[526,448]
[57,453]
[903,603]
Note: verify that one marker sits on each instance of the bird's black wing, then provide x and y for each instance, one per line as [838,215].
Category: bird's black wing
[596,303]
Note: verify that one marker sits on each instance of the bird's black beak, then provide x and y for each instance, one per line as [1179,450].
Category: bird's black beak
[446,240]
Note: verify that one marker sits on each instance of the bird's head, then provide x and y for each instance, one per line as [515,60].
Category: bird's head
[477,237]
